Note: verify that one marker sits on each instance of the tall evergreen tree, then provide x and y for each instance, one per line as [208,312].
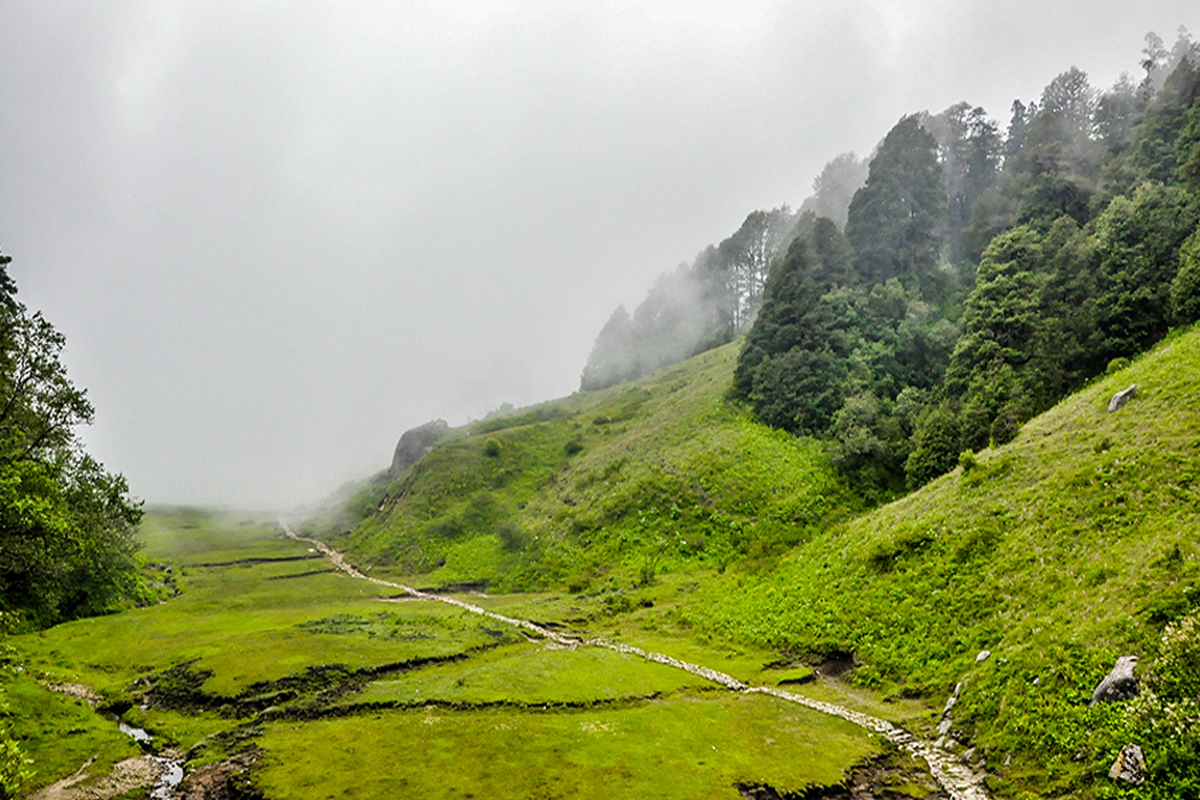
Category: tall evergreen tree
[1137,248]
[1185,288]
[1158,152]
[892,219]
[969,148]
[834,188]
[614,358]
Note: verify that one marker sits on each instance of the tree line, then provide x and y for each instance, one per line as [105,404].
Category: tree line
[931,299]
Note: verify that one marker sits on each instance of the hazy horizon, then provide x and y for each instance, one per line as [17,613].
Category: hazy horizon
[276,238]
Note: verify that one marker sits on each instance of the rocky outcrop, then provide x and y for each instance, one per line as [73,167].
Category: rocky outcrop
[947,722]
[1120,684]
[417,443]
[1121,398]
[1130,766]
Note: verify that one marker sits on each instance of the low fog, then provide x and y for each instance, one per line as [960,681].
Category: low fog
[277,235]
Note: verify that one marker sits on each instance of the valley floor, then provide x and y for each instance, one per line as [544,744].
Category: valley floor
[275,674]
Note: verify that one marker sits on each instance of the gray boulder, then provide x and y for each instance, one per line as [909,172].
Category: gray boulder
[1130,766]
[1120,684]
[1121,398]
[417,443]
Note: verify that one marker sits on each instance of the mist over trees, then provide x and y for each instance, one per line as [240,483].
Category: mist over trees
[698,306]
[930,299]
[834,188]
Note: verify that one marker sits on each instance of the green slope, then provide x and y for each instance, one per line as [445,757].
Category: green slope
[660,474]
[1058,552]
[1070,546]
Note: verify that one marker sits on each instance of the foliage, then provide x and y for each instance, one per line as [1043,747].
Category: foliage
[7,287]
[934,443]
[892,218]
[834,188]
[1056,552]
[693,309]
[1138,243]
[14,770]
[1185,288]
[849,362]
[66,525]
[1050,309]
[613,359]
[1165,717]
[14,765]
[970,151]
[1158,147]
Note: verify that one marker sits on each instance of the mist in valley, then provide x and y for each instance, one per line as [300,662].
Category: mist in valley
[277,237]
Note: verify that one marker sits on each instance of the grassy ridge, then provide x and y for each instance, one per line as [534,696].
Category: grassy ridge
[660,474]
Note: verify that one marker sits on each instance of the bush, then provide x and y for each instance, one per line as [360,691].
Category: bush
[491,448]
[1165,718]
[935,443]
[1116,365]
[1007,423]
[13,763]
[513,538]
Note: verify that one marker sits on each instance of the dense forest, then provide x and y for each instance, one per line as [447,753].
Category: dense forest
[929,300]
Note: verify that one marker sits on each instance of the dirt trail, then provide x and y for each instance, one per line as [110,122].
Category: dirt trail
[959,781]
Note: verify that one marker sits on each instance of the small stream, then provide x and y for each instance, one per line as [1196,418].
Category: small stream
[172,768]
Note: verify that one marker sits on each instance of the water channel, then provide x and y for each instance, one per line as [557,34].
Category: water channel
[172,768]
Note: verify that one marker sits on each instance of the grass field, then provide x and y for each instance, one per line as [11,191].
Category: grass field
[351,693]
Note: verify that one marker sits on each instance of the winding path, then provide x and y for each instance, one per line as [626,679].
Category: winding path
[959,781]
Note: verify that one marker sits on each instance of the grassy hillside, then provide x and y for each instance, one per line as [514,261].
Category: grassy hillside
[1056,553]
[1070,546]
[662,474]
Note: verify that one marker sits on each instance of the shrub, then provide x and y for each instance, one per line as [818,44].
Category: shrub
[513,538]
[13,766]
[491,448]
[648,571]
[935,442]
[1165,718]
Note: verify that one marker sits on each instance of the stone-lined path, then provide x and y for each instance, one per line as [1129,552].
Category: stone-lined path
[959,781]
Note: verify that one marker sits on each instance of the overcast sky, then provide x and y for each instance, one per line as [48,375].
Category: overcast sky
[277,234]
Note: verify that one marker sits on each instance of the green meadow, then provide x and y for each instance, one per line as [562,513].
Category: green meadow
[345,689]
